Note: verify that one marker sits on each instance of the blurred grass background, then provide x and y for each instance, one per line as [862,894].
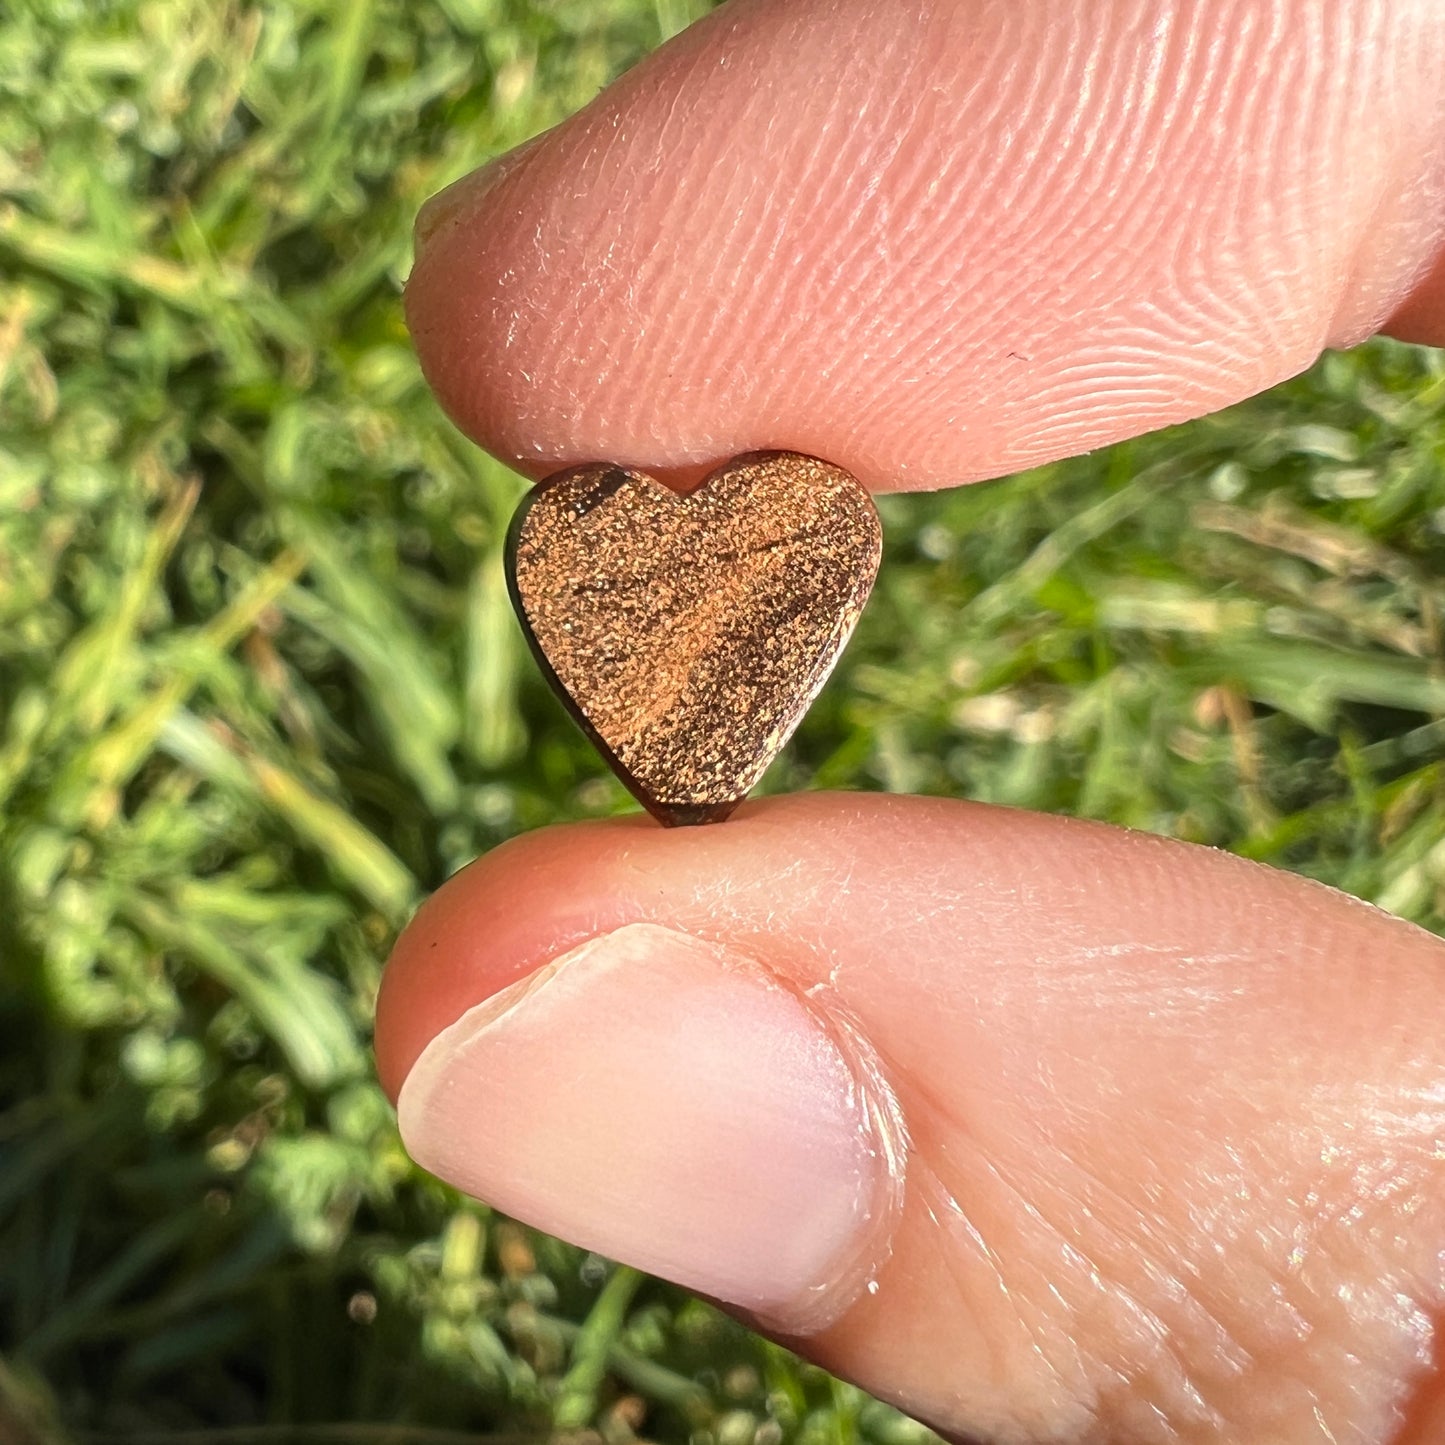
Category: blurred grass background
[260,689]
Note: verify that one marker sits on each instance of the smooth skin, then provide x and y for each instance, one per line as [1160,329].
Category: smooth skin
[1047,1131]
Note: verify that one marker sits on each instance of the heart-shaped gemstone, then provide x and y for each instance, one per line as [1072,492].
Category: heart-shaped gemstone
[688,633]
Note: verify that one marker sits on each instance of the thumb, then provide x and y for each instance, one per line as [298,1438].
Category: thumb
[933,241]
[1044,1130]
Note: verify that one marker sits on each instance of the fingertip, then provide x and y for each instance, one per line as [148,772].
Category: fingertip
[867,233]
[531,899]
[488,926]
[1421,318]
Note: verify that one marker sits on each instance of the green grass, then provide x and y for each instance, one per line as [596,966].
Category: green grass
[260,689]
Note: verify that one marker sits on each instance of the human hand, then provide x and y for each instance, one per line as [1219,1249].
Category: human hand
[1043,1130]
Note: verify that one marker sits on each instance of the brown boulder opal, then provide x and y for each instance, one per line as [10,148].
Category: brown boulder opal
[688,632]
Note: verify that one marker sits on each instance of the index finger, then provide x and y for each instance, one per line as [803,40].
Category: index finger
[935,242]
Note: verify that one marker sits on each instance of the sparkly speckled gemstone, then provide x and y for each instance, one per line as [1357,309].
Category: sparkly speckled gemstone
[689,633]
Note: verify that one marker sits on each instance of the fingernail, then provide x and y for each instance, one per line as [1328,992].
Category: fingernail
[666,1103]
[441,211]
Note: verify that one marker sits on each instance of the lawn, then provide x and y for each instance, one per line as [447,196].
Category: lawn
[261,689]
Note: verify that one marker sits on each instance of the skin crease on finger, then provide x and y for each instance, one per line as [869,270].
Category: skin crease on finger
[1176,1122]
[935,242]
